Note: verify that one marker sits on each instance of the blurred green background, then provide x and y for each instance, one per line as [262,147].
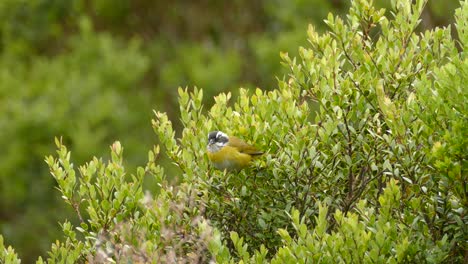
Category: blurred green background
[92,71]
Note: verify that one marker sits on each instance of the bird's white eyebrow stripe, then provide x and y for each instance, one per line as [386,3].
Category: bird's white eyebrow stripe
[220,134]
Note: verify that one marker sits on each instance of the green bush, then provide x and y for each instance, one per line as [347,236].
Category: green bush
[8,255]
[365,160]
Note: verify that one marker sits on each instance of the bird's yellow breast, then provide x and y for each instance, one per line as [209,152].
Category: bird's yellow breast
[229,158]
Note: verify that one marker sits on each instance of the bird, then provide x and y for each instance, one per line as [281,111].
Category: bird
[228,152]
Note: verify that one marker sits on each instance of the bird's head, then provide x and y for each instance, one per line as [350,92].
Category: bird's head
[217,140]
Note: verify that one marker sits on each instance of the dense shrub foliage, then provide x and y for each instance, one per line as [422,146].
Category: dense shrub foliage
[365,161]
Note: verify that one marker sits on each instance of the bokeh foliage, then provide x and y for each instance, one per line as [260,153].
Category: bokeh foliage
[91,71]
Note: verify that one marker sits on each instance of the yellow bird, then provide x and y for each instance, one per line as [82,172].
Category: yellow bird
[228,152]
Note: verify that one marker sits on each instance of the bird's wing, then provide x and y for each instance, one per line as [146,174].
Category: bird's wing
[243,147]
